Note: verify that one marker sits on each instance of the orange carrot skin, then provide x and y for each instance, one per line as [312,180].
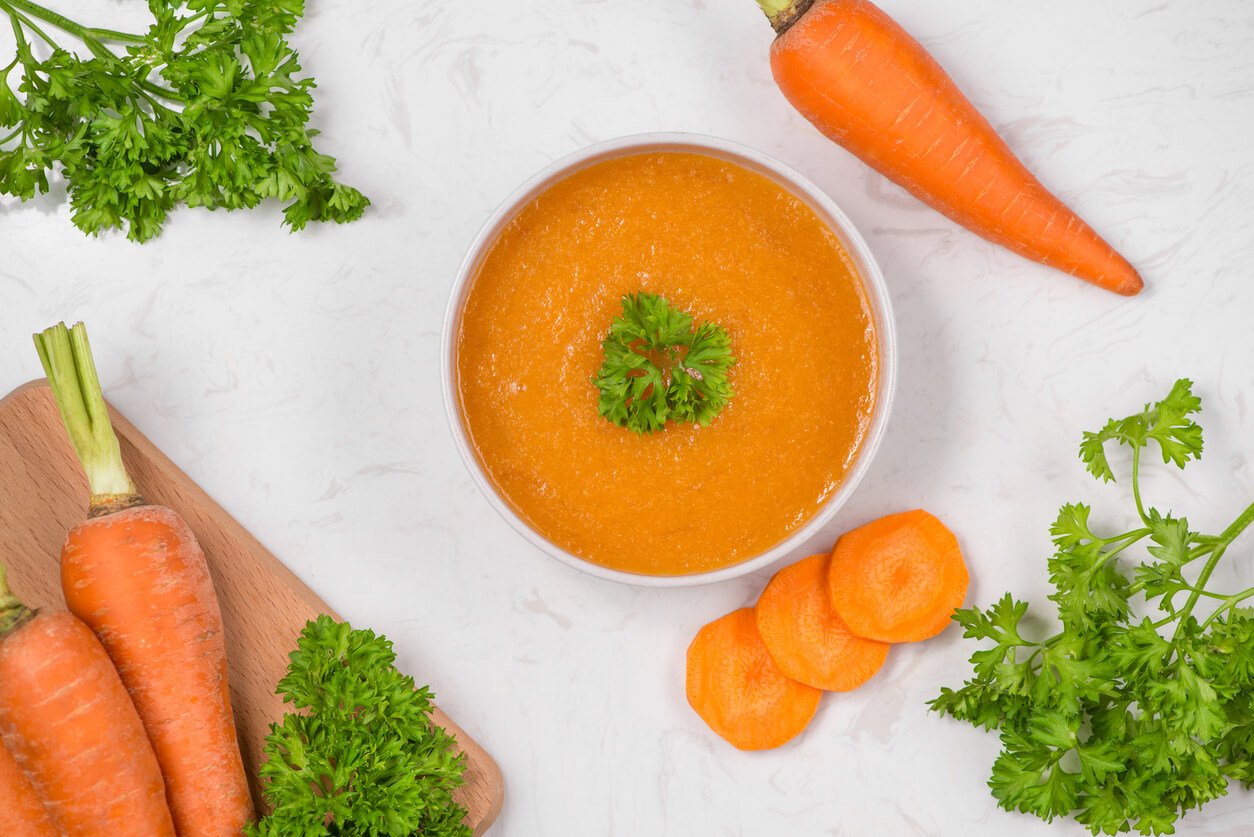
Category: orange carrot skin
[22,812]
[872,88]
[69,723]
[138,578]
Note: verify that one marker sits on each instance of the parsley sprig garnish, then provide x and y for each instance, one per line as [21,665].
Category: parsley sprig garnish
[364,760]
[206,108]
[1124,720]
[658,368]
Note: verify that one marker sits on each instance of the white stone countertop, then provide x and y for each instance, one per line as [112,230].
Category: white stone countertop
[296,377]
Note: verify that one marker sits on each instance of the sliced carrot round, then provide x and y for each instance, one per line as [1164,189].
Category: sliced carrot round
[806,636]
[736,688]
[899,578]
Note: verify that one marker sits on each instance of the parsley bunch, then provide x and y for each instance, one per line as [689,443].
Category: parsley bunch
[365,760]
[658,368]
[1121,720]
[205,109]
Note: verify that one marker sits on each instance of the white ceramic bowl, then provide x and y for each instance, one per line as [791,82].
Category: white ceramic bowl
[873,281]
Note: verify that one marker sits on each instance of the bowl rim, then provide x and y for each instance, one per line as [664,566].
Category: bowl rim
[866,267]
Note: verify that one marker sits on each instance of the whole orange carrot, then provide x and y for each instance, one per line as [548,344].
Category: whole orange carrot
[72,729]
[136,575]
[22,812]
[865,83]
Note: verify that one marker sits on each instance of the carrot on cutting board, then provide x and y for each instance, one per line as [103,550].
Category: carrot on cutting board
[872,88]
[135,574]
[22,812]
[899,578]
[72,729]
[736,688]
[806,636]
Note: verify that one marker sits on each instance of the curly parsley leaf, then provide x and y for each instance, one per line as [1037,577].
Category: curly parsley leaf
[1123,721]
[362,758]
[1165,422]
[658,368]
[207,108]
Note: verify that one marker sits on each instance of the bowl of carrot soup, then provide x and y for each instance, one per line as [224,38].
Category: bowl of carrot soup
[725,235]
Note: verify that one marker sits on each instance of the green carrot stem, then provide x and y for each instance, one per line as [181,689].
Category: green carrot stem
[64,23]
[66,357]
[12,611]
[783,13]
[7,599]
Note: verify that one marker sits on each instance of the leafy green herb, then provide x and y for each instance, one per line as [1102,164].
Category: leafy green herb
[658,368]
[365,759]
[205,109]
[1123,721]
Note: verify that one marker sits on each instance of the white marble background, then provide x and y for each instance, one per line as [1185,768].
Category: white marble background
[295,377]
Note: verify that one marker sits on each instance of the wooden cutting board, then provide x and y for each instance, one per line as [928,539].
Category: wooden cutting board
[264,606]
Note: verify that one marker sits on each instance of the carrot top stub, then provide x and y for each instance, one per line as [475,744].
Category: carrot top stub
[67,361]
[12,611]
[783,13]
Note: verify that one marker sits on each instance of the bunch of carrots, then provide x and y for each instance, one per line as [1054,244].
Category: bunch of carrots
[824,623]
[115,716]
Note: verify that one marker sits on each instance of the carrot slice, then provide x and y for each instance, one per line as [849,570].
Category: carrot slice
[736,688]
[899,578]
[806,636]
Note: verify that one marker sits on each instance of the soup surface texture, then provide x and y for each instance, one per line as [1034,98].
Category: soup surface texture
[723,243]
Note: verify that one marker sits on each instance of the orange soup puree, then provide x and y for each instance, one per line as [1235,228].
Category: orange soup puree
[724,244]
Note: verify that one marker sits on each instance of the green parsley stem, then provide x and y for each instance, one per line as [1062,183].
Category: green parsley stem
[1129,538]
[62,22]
[1122,542]
[99,50]
[1229,535]
[17,33]
[1231,603]
[1136,483]
[18,20]
[1238,526]
[1202,549]
[1043,645]
[10,136]
[93,38]
[1166,620]
[1207,593]
[163,92]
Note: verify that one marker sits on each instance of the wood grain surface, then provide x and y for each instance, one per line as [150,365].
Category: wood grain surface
[264,606]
